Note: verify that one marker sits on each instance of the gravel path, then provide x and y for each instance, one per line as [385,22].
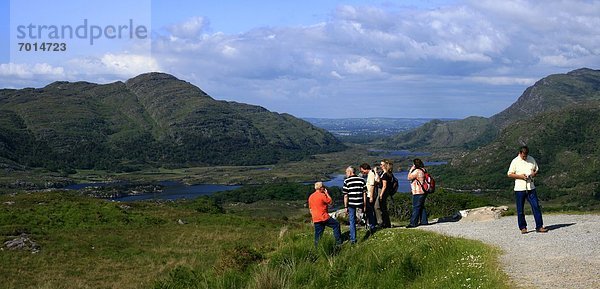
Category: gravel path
[568,256]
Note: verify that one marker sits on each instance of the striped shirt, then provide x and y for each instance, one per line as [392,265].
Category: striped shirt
[355,187]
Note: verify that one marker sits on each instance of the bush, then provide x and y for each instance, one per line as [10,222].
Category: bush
[208,205]
[238,259]
[438,204]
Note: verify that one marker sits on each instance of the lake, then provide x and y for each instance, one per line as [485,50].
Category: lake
[403,183]
[171,190]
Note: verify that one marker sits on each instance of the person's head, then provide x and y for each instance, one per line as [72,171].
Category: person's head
[349,171]
[365,168]
[319,186]
[418,163]
[387,166]
[523,152]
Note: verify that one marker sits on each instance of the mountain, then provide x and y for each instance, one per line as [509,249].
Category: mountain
[551,93]
[445,134]
[565,143]
[153,119]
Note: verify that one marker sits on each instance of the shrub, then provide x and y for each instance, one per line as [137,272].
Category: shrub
[208,205]
[239,259]
[439,204]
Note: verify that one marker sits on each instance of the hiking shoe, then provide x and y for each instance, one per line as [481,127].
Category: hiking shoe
[542,230]
[524,231]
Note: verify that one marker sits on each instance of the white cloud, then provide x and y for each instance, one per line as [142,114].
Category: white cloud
[21,70]
[191,28]
[119,65]
[361,65]
[466,48]
[503,80]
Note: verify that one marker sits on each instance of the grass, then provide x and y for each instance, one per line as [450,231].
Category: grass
[91,243]
[392,258]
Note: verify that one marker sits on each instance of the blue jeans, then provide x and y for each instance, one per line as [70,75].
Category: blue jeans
[532,198]
[352,220]
[334,224]
[418,212]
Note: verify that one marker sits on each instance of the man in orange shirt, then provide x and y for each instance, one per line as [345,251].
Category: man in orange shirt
[317,203]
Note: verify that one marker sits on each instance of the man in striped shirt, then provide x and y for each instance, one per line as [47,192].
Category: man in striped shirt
[355,197]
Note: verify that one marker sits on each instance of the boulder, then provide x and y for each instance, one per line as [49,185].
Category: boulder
[22,242]
[482,213]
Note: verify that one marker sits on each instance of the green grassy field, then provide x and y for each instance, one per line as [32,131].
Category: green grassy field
[92,243]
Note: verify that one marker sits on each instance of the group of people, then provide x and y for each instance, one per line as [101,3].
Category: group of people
[370,191]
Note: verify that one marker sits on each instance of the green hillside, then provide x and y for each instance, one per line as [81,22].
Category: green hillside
[565,143]
[464,133]
[153,119]
[557,118]
[551,93]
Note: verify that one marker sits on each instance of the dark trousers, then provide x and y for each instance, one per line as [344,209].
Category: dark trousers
[371,215]
[531,197]
[383,210]
[334,224]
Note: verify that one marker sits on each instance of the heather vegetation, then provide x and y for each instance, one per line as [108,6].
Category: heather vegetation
[85,242]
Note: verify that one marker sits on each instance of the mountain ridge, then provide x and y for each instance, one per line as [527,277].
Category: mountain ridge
[152,119]
[551,93]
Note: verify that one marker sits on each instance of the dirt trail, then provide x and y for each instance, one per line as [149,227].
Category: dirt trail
[568,256]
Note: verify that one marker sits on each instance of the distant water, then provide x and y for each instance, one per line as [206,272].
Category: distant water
[176,190]
[398,153]
[403,183]
[170,190]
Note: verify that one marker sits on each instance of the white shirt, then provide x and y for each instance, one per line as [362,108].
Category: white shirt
[519,166]
[371,183]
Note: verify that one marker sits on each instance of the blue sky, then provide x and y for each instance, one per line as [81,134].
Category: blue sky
[402,58]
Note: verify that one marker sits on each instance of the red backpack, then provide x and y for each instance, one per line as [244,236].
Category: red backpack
[428,184]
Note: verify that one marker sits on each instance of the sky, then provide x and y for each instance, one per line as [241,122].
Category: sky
[311,58]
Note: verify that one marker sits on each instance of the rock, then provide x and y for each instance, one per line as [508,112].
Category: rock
[124,207]
[482,213]
[181,222]
[22,242]
[9,203]
[341,213]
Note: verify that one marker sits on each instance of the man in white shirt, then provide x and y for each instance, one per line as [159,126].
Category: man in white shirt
[523,169]
[371,182]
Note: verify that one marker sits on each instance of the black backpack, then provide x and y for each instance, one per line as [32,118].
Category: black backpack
[393,188]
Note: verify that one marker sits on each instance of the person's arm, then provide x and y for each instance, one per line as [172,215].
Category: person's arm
[410,176]
[512,172]
[535,170]
[517,176]
[346,202]
[365,200]
[328,199]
